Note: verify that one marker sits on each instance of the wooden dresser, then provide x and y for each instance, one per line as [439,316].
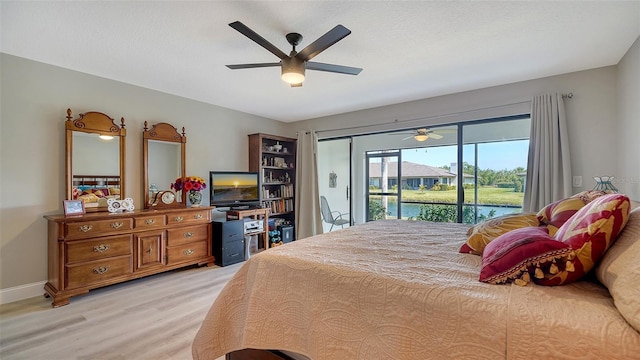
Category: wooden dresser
[99,249]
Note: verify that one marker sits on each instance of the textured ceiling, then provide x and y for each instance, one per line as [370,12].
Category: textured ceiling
[409,50]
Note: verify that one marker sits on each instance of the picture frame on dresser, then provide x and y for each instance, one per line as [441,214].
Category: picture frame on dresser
[73,207]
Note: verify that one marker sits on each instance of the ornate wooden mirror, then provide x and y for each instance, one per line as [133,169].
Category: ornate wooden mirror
[163,158]
[95,153]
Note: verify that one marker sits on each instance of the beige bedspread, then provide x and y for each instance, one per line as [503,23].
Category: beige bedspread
[399,289]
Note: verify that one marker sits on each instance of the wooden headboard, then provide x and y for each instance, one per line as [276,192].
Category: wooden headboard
[96,180]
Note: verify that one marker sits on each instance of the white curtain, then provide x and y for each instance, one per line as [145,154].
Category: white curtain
[549,166]
[308,219]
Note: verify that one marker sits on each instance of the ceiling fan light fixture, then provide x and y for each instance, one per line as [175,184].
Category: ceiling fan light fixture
[293,71]
[421,137]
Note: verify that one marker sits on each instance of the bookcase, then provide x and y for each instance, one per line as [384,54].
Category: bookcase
[274,157]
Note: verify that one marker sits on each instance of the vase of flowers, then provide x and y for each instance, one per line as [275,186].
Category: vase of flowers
[192,184]
[195,198]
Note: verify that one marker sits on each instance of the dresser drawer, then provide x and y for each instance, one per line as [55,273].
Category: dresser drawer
[149,222]
[187,234]
[87,250]
[187,252]
[87,274]
[186,217]
[87,229]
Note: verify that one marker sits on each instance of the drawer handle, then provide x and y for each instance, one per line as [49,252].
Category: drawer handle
[197,217]
[188,234]
[178,218]
[150,251]
[189,252]
[150,221]
[101,248]
[101,270]
[117,225]
[85,228]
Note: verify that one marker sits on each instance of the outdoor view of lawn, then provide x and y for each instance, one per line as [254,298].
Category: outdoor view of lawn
[487,195]
[488,191]
[430,204]
[492,201]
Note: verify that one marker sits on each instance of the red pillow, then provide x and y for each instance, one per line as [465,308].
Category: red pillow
[558,212]
[531,254]
[589,233]
[519,254]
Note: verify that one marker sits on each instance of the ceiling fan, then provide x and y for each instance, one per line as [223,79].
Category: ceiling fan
[293,65]
[423,134]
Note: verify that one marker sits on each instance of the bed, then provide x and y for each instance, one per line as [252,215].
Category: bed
[400,289]
[94,190]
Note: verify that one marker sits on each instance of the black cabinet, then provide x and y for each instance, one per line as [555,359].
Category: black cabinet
[286,233]
[228,242]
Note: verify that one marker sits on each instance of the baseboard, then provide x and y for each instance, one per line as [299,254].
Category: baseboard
[21,292]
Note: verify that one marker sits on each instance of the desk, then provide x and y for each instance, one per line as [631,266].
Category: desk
[256,214]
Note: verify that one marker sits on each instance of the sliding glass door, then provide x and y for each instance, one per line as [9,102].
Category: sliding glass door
[383,176]
[494,167]
[334,183]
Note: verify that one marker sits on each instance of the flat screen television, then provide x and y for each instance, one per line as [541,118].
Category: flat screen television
[234,189]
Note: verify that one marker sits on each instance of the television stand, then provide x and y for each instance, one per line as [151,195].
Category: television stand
[256,214]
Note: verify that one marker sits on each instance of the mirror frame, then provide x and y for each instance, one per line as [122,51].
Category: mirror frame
[162,132]
[95,123]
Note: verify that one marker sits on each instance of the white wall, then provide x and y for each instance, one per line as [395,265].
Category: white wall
[592,116]
[35,97]
[628,135]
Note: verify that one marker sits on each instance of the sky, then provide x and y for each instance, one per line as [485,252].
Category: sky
[496,156]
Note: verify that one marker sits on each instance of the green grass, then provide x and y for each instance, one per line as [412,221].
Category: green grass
[487,195]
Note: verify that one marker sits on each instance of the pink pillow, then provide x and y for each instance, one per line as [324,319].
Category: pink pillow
[590,232]
[514,255]
[531,254]
[558,212]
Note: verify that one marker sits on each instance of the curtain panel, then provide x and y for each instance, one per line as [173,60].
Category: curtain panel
[308,218]
[549,163]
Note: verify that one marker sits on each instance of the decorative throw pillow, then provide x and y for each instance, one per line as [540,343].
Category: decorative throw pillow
[518,255]
[619,270]
[554,215]
[531,254]
[483,233]
[589,233]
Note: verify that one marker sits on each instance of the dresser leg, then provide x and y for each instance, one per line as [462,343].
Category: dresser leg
[57,302]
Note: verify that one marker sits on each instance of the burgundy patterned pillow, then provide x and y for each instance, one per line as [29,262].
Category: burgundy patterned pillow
[518,255]
[558,212]
[590,232]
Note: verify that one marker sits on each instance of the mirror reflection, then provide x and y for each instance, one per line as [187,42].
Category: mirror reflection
[95,168]
[163,159]
[94,159]
[164,165]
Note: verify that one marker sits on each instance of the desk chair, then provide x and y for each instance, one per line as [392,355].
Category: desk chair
[328,215]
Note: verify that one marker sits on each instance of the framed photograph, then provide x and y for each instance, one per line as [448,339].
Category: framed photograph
[279,162]
[73,207]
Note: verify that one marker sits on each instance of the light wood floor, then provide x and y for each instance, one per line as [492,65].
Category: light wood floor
[151,318]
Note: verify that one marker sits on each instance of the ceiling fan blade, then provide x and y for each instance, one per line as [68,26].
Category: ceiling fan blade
[323,42]
[407,138]
[244,30]
[333,68]
[435,136]
[250,66]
